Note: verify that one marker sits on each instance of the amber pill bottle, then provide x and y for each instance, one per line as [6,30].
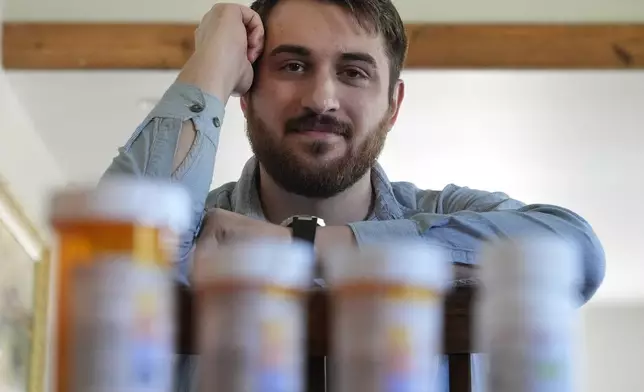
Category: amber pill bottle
[114,316]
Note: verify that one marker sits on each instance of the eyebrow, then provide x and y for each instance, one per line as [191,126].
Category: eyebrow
[304,52]
[359,56]
[291,49]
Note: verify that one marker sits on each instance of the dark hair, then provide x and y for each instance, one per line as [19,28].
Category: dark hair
[376,16]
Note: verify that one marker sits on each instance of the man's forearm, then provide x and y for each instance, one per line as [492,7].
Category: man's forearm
[177,141]
[196,73]
[187,137]
[463,233]
[203,70]
[331,237]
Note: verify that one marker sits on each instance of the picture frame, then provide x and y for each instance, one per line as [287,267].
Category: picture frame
[24,299]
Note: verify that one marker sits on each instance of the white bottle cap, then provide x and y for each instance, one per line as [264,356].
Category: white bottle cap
[535,260]
[143,201]
[414,263]
[282,263]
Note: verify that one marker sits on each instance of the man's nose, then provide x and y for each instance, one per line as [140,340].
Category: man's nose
[321,95]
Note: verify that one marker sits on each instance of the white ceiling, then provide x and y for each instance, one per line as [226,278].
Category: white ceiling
[570,138]
[410,10]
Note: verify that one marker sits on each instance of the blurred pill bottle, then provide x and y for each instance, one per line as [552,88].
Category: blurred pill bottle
[251,315]
[387,312]
[116,243]
[525,315]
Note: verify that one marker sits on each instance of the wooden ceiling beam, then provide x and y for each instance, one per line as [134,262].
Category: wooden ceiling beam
[55,46]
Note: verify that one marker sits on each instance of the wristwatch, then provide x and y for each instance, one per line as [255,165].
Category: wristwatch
[304,226]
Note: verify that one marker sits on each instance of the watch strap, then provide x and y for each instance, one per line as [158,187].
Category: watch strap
[304,229]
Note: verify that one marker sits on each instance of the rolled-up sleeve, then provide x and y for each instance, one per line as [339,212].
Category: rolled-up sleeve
[367,232]
[464,218]
[151,149]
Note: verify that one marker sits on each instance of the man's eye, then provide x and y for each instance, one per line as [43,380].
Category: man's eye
[293,67]
[354,73]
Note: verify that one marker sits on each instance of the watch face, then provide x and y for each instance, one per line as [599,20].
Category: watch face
[303,218]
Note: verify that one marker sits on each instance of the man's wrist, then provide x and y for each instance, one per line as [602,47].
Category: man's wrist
[202,72]
[464,271]
[280,231]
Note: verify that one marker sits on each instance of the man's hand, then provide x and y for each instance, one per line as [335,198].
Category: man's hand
[224,227]
[228,40]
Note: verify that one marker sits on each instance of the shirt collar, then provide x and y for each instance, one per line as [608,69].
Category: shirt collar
[245,196]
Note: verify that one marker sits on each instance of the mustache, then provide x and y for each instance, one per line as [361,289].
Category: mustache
[312,121]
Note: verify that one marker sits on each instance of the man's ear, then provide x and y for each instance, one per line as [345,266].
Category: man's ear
[243,103]
[398,94]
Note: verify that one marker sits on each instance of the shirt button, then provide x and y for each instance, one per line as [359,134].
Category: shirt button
[459,256]
[196,108]
[216,122]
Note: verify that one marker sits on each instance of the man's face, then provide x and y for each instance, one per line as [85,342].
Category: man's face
[320,109]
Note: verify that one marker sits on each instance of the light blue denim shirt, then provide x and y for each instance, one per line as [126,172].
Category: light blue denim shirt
[459,218]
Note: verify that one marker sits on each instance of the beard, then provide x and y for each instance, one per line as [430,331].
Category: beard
[303,176]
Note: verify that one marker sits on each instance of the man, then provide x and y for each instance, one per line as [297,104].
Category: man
[320,88]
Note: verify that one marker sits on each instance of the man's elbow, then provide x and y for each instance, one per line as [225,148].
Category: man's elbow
[576,229]
[594,263]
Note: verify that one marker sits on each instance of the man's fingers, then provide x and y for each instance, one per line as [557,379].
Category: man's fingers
[204,251]
[249,17]
[255,45]
[255,33]
[208,224]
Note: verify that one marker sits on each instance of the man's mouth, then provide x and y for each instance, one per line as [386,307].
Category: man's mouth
[318,127]
[320,133]
[322,129]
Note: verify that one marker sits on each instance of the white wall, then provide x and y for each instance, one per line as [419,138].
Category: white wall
[614,343]
[27,167]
